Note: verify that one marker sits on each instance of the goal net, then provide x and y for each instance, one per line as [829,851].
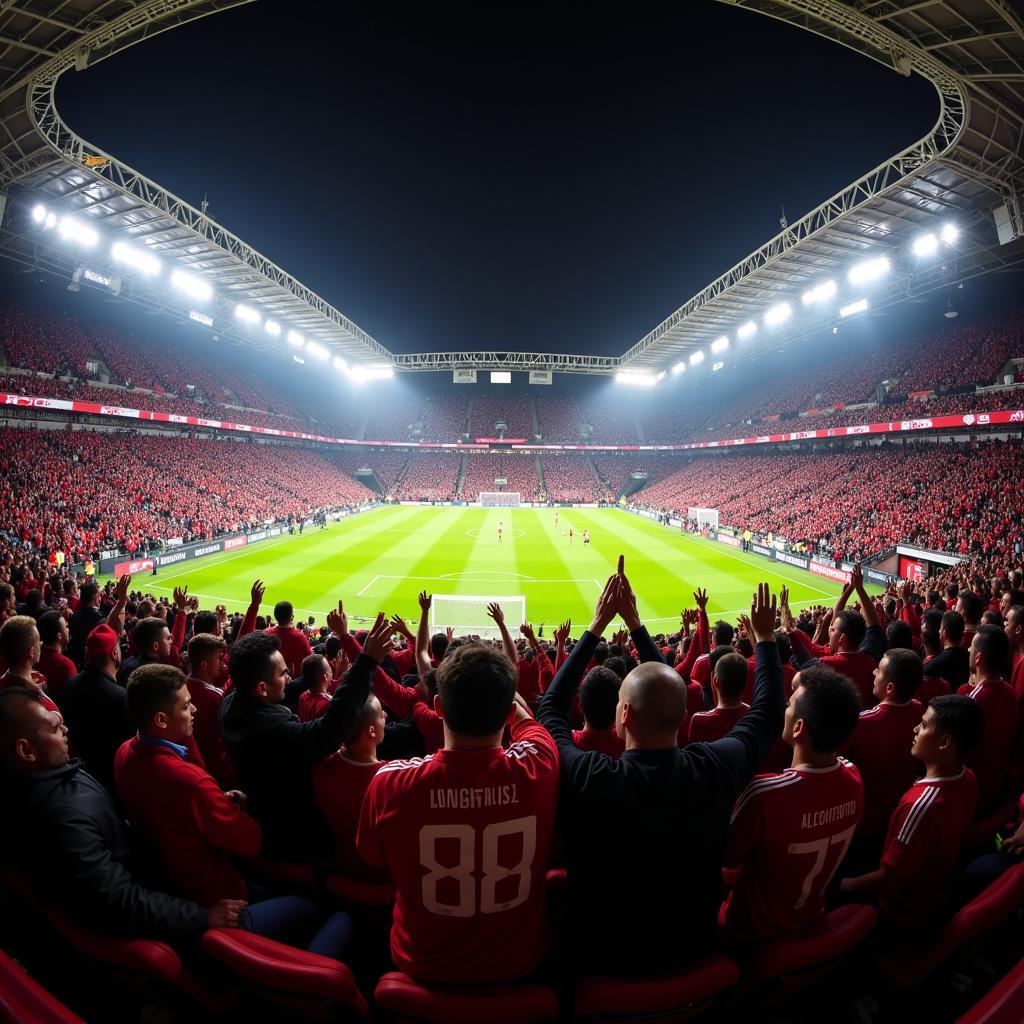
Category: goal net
[705,517]
[467,614]
[500,499]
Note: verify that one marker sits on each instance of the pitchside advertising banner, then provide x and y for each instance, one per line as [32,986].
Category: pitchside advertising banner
[967,420]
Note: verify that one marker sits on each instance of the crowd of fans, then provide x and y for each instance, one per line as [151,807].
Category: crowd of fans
[432,476]
[518,471]
[514,410]
[571,478]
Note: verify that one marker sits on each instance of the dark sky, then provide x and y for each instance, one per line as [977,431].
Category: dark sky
[552,176]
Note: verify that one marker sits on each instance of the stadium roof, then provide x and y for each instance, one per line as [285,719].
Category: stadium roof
[960,174]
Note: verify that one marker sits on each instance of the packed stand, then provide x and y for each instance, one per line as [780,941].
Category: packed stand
[515,411]
[570,478]
[518,472]
[559,420]
[432,476]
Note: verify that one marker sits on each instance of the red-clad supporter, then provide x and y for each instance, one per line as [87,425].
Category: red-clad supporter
[153,642]
[20,649]
[559,420]
[294,644]
[790,832]
[431,476]
[571,478]
[208,672]
[1015,634]
[518,472]
[449,917]
[611,421]
[927,829]
[881,742]
[53,665]
[599,697]
[514,411]
[990,665]
[728,682]
[316,677]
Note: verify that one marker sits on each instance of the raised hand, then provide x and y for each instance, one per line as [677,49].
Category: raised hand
[337,621]
[222,613]
[701,597]
[562,633]
[494,611]
[425,600]
[626,602]
[606,604]
[399,626]
[121,590]
[857,577]
[256,592]
[763,610]
[378,642]
[449,633]
[181,598]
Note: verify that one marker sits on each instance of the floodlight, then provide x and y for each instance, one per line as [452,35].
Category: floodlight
[721,344]
[191,285]
[247,314]
[949,234]
[678,368]
[819,293]
[75,231]
[51,220]
[747,330]
[317,350]
[696,357]
[637,378]
[296,339]
[39,213]
[853,308]
[273,328]
[138,259]
[925,245]
[778,314]
[339,363]
[375,371]
[869,270]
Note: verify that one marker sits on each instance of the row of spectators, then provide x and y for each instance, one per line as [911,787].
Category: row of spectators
[571,478]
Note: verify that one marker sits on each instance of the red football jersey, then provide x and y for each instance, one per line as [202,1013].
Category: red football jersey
[465,835]
[294,647]
[604,742]
[880,748]
[788,835]
[708,726]
[312,705]
[990,760]
[926,833]
[340,785]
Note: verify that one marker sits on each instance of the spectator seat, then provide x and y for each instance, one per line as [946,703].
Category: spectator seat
[1004,1003]
[24,1001]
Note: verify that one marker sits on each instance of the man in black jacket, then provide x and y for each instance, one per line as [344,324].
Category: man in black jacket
[273,753]
[84,621]
[62,830]
[655,819]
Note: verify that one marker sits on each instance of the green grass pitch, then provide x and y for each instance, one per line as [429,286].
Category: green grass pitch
[380,560]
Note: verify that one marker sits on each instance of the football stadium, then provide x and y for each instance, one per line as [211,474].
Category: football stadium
[502,648]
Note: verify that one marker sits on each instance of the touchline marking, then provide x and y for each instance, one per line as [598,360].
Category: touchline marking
[368,585]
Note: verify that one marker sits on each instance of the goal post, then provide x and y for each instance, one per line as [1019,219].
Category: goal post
[500,499]
[467,614]
[706,517]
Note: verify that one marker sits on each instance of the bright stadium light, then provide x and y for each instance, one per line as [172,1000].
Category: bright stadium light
[747,330]
[339,363]
[721,344]
[296,339]
[247,314]
[778,314]
[949,234]
[696,358]
[137,259]
[679,368]
[39,213]
[191,285]
[200,318]
[819,293]
[273,328]
[869,270]
[375,371]
[299,360]
[75,231]
[318,351]
[925,245]
[853,308]
[636,378]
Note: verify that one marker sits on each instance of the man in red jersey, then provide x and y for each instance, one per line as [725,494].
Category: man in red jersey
[314,699]
[53,633]
[20,648]
[599,696]
[881,742]
[294,643]
[927,829]
[1014,630]
[790,832]
[465,832]
[208,672]
[340,782]
[856,641]
[990,665]
[727,685]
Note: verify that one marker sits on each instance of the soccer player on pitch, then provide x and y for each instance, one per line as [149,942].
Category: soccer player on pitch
[501,527]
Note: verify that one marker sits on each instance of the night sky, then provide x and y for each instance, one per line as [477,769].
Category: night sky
[526,176]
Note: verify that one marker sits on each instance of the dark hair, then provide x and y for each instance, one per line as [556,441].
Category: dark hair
[959,718]
[933,596]
[952,589]
[785,646]
[249,660]
[147,632]
[898,634]
[87,593]
[953,624]
[1016,598]
[332,647]
[283,612]
[852,625]
[49,626]
[599,696]
[202,645]
[477,686]
[152,688]
[205,622]
[364,716]
[723,633]
[616,664]
[990,617]
[731,675]
[829,705]
[906,673]
[600,654]
[438,645]
[994,647]
[971,605]
[314,666]
[1017,611]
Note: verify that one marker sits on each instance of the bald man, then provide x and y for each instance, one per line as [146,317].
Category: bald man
[645,834]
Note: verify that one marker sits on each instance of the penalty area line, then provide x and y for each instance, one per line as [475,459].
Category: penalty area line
[368,585]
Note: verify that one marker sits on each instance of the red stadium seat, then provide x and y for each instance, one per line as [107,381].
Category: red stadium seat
[665,998]
[986,911]
[360,893]
[1004,1004]
[402,998]
[25,1001]
[783,968]
[309,986]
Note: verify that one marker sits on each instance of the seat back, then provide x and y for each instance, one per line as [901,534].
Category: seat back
[24,1001]
[1004,1004]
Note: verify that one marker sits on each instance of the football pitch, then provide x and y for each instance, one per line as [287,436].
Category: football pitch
[381,560]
